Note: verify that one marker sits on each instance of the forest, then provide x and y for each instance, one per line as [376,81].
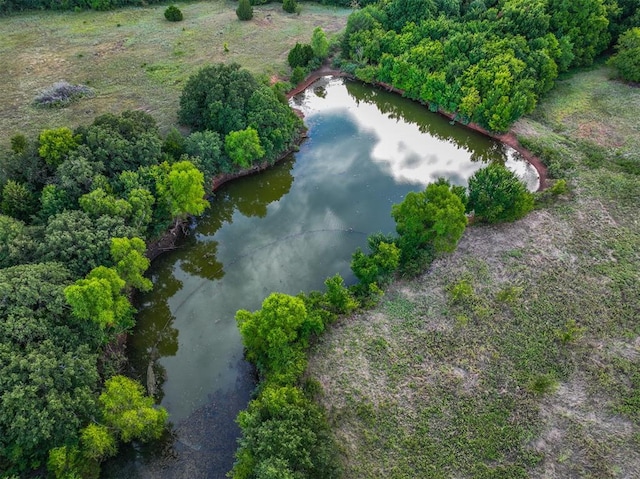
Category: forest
[80,206]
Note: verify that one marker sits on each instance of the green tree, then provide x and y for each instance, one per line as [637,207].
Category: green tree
[53,200]
[79,242]
[627,58]
[300,55]
[285,435]
[244,10]
[496,194]
[276,335]
[289,6]
[183,191]
[48,371]
[98,203]
[99,297]
[130,262]
[16,243]
[17,201]
[207,147]
[56,144]
[129,412]
[173,14]
[339,297]
[215,98]
[97,442]
[243,147]
[319,43]
[173,144]
[378,266]
[584,23]
[141,201]
[435,216]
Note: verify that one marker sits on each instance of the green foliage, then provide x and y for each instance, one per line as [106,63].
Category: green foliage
[97,442]
[99,298]
[16,243]
[243,147]
[297,75]
[130,262]
[53,200]
[173,14]
[183,190]
[47,366]
[300,55]
[276,335]
[79,242]
[205,148]
[244,10]
[17,201]
[174,144]
[216,98]
[570,332]
[584,23]
[289,6]
[124,142]
[461,292]
[126,409]
[542,384]
[56,144]
[378,266]
[276,123]
[68,462]
[285,435]
[98,203]
[433,217]
[496,194]
[339,297]
[627,58]
[319,43]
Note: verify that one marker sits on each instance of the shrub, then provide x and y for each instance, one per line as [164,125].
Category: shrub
[61,94]
[244,10]
[300,55]
[289,6]
[496,194]
[297,75]
[173,14]
[627,60]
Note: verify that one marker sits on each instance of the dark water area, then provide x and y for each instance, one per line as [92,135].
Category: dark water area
[286,229]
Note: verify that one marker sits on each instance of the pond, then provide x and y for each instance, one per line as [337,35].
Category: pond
[287,230]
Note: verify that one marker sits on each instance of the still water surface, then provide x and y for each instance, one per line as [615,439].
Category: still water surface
[285,230]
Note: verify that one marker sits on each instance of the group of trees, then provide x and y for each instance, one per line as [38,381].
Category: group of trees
[76,209]
[237,121]
[9,6]
[487,60]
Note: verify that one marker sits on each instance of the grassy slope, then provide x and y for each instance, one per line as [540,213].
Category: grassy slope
[481,384]
[135,59]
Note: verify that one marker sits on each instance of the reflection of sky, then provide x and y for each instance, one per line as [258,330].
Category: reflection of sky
[400,147]
[287,230]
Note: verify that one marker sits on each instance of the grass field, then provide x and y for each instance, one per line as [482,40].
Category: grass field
[518,355]
[134,59]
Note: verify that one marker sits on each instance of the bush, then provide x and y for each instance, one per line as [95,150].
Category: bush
[173,14]
[289,6]
[627,60]
[300,55]
[297,75]
[61,94]
[496,194]
[245,10]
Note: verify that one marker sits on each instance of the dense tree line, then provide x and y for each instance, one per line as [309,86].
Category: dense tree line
[8,6]
[487,61]
[76,209]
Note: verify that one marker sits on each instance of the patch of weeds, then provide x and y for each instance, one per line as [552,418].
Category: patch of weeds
[628,388]
[543,384]
[553,153]
[509,294]
[61,94]
[461,292]
[570,332]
